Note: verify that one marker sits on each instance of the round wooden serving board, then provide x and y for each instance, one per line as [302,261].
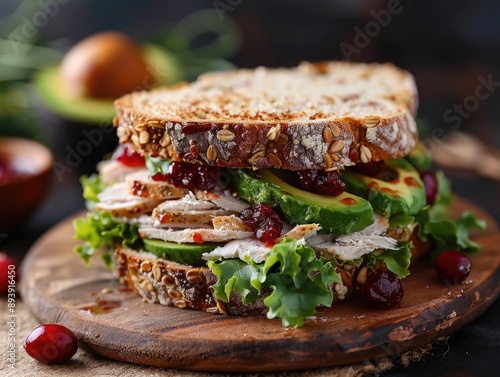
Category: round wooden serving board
[114,322]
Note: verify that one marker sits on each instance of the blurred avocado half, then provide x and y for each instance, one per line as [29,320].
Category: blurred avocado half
[99,69]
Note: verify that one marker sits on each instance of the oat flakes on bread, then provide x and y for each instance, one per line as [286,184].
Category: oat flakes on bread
[314,116]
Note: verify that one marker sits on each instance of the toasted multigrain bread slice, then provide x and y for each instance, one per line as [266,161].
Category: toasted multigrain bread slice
[168,283]
[315,116]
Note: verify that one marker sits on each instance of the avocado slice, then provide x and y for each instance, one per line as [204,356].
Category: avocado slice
[420,157]
[183,253]
[404,194]
[341,214]
[98,111]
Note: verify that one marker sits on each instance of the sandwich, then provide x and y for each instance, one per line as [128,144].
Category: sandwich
[270,191]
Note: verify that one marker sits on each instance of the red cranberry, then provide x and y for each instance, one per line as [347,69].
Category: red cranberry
[320,182]
[430,183]
[329,183]
[128,157]
[8,272]
[307,179]
[256,213]
[51,344]
[184,174]
[160,177]
[206,177]
[269,229]
[371,169]
[265,222]
[181,174]
[383,288]
[452,266]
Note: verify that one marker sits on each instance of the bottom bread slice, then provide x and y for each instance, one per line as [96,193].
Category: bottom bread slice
[172,284]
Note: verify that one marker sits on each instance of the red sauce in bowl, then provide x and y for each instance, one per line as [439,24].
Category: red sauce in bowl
[13,169]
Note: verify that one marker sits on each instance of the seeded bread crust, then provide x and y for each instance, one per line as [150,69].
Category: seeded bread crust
[315,116]
[172,284]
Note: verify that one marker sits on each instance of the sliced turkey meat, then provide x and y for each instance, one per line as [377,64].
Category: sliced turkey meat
[188,212]
[256,250]
[230,223]
[301,231]
[193,235]
[186,219]
[120,203]
[355,245]
[243,249]
[112,171]
[141,184]
[143,220]
[187,203]
[225,200]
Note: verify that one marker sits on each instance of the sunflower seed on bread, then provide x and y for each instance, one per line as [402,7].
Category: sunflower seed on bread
[337,107]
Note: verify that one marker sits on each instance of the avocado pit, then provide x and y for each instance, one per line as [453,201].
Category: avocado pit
[104,65]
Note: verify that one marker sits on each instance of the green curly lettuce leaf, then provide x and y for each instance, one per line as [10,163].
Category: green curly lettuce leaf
[397,261]
[299,283]
[92,185]
[435,224]
[444,198]
[235,274]
[454,234]
[99,230]
[296,279]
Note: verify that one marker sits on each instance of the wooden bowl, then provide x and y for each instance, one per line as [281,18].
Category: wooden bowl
[21,192]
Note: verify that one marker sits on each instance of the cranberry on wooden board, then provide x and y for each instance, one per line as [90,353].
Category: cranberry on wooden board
[452,266]
[8,272]
[430,184]
[383,289]
[265,222]
[51,344]
[128,157]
